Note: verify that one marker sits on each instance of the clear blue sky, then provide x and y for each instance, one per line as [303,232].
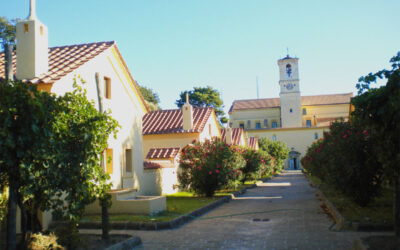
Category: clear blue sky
[173,45]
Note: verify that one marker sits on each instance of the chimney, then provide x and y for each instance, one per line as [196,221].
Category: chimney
[32,46]
[187,114]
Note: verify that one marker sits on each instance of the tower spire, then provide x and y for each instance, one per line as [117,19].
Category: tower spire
[32,10]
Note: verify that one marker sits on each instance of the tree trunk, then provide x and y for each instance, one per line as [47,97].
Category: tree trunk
[12,215]
[104,221]
[396,208]
[24,221]
[8,49]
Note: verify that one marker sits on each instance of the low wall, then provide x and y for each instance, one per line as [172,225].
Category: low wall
[145,205]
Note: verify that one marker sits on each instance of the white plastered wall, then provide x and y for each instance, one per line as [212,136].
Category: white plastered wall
[298,139]
[125,106]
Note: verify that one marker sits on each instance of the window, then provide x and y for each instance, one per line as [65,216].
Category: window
[304,111]
[291,110]
[274,124]
[41,29]
[128,160]
[266,123]
[209,129]
[26,28]
[241,125]
[316,136]
[248,124]
[107,87]
[258,125]
[109,160]
[274,137]
[308,123]
[230,124]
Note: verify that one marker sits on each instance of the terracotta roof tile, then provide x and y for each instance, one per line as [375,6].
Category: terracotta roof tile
[156,165]
[305,101]
[236,135]
[253,142]
[170,121]
[63,60]
[162,153]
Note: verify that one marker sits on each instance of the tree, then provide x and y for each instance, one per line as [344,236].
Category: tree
[278,150]
[50,151]
[150,97]
[204,97]
[7,42]
[7,31]
[379,110]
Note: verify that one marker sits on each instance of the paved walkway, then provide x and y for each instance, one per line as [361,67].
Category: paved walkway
[282,213]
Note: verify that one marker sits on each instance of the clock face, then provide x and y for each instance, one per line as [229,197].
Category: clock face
[289,86]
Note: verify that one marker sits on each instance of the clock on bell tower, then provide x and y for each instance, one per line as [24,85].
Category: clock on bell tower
[290,92]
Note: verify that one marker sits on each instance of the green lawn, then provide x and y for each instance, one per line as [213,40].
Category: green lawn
[177,204]
[378,211]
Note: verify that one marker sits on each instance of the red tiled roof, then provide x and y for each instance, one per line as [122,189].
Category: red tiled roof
[326,121]
[305,101]
[236,135]
[253,142]
[155,165]
[162,153]
[63,60]
[170,121]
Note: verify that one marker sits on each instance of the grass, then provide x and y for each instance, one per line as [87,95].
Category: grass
[178,204]
[380,210]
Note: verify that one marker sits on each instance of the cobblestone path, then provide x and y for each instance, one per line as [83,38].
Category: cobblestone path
[282,213]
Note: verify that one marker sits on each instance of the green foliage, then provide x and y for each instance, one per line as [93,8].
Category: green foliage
[354,169]
[41,241]
[7,31]
[152,99]
[258,164]
[3,204]
[208,166]
[276,149]
[56,142]
[379,110]
[204,97]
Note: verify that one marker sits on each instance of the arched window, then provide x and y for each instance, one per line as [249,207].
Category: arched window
[289,70]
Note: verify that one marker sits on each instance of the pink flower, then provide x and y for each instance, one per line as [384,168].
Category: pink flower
[210,173]
[199,168]
[217,171]
[365,132]
[344,136]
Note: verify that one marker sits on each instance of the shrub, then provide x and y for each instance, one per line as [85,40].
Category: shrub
[209,166]
[346,160]
[258,164]
[278,150]
[40,241]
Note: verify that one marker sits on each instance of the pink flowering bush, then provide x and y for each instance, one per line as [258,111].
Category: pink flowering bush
[258,164]
[345,158]
[209,166]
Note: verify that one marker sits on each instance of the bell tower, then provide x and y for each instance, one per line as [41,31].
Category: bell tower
[32,46]
[290,91]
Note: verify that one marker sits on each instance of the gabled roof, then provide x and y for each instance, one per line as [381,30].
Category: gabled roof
[63,60]
[315,100]
[253,142]
[237,134]
[162,153]
[171,121]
